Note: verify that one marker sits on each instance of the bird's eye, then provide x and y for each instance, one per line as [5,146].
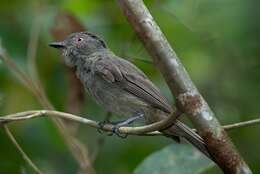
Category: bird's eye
[80,39]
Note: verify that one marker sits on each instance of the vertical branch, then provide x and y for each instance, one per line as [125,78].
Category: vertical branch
[189,100]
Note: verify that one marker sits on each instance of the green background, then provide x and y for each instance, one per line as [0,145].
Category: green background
[217,41]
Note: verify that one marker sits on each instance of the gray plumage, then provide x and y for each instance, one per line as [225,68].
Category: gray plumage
[118,85]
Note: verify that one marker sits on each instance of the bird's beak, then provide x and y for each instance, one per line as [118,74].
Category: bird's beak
[57,45]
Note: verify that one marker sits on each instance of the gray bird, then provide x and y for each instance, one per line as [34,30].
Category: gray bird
[119,86]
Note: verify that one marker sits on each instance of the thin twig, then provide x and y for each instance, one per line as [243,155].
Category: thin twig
[242,124]
[107,127]
[228,127]
[16,70]
[149,130]
[20,150]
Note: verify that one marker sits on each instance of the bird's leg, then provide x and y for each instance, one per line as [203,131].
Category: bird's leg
[118,124]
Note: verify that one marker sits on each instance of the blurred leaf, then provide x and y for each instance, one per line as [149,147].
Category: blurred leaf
[176,158]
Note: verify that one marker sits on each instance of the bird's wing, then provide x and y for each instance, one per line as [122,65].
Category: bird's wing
[107,70]
[132,80]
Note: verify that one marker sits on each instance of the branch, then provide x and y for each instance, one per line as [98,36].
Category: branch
[226,127]
[242,124]
[20,150]
[188,98]
[107,127]
[147,130]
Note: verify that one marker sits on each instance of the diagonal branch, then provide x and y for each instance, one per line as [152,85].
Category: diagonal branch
[21,151]
[189,100]
[9,133]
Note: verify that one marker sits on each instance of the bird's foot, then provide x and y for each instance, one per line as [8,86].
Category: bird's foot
[115,130]
[101,127]
[118,124]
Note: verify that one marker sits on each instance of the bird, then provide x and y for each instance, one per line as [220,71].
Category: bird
[120,87]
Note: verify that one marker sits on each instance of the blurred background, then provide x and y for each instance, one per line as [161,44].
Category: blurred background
[217,41]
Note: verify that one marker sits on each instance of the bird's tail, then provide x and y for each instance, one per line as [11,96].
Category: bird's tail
[180,129]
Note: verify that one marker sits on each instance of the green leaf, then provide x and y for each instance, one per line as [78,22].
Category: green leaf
[176,158]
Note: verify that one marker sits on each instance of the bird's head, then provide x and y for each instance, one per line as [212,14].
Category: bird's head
[77,45]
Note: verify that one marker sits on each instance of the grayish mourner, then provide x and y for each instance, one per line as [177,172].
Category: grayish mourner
[119,86]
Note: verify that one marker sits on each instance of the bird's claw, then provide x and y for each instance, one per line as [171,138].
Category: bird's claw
[101,128]
[115,130]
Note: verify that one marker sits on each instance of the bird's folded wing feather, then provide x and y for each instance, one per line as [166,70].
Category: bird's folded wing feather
[132,80]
